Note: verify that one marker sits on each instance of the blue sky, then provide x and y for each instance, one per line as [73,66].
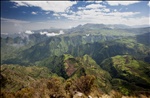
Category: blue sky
[18,16]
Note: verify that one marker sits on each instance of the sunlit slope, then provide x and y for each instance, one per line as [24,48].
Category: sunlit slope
[129,74]
[97,40]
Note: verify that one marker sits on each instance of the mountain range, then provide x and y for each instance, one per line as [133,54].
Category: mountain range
[93,59]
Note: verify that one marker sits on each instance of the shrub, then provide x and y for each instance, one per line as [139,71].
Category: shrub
[56,89]
[25,93]
[84,84]
[7,95]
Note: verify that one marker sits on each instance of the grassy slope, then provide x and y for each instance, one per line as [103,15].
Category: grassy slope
[129,74]
[16,77]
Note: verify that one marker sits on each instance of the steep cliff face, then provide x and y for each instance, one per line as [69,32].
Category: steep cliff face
[68,66]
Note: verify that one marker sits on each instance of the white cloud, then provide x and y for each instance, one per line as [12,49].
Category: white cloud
[116,3]
[56,6]
[29,32]
[123,14]
[115,10]
[98,1]
[100,16]
[94,6]
[34,13]
[148,4]
[94,13]
[106,10]
[65,15]
[55,14]
[47,12]
[61,32]
[81,8]
[52,34]
[90,1]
